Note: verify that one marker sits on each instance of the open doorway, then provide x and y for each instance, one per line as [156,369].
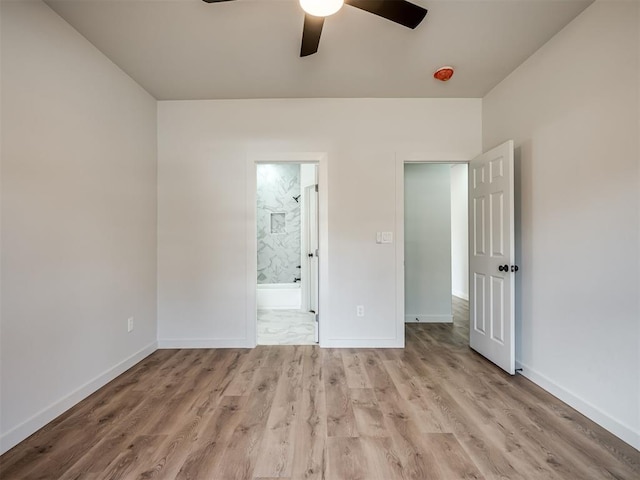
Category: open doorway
[436,269]
[287,253]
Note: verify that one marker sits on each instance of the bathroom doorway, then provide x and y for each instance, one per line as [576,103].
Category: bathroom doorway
[287,270]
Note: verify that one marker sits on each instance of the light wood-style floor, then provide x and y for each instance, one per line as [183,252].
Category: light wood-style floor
[435,410]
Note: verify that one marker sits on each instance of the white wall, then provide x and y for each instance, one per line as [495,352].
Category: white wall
[203,151]
[572,109]
[459,231]
[427,240]
[78,219]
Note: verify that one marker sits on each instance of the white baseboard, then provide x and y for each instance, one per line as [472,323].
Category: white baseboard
[619,429]
[17,434]
[460,294]
[169,343]
[428,319]
[172,343]
[363,343]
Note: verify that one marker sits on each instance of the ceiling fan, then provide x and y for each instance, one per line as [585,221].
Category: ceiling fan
[399,11]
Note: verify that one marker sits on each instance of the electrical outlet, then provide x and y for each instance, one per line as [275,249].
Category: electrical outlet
[130,324]
[360,310]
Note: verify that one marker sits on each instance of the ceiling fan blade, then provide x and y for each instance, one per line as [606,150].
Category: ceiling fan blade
[398,11]
[311,34]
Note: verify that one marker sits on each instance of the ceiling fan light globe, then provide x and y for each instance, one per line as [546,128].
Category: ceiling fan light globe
[321,8]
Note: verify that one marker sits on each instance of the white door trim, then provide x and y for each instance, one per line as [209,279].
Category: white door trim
[251,266]
[401,160]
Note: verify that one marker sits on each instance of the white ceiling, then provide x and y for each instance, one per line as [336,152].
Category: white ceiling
[187,49]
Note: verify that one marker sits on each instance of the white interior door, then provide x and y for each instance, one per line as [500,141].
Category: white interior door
[491,256]
[312,254]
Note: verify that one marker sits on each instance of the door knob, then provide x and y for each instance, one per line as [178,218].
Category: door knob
[503,268]
[514,268]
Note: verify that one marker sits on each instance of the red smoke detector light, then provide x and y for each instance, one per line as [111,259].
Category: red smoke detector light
[443,73]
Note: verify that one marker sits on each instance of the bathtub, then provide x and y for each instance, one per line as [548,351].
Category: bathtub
[279,296]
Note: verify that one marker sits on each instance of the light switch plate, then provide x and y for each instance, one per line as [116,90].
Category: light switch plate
[387,237]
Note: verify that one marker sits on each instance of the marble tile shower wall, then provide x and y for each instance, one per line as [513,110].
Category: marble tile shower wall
[278,223]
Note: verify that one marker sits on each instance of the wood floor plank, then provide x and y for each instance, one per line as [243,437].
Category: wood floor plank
[382,459]
[368,416]
[147,417]
[453,461]
[433,410]
[470,420]
[471,432]
[242,382]
[346,459]
[120,468]
[385,390]
[277,451]
[340,418]
[355,374]
[418,463]
[215,380]
[207,451]
[240,455]
[271,478]
[72,443]
[309,462]
[424,410]
[399,422]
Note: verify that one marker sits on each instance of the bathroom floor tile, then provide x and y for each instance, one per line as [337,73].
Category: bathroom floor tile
[285,327]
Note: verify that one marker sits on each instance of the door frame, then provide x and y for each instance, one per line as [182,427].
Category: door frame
[309,260]
[321,159]
[401,160]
